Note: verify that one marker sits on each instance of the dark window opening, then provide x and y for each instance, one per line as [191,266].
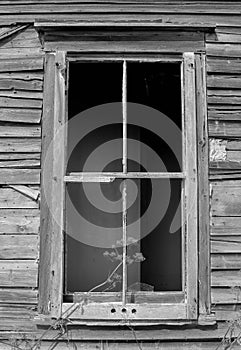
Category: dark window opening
[94,210]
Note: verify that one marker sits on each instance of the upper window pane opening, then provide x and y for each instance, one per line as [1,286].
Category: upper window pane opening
[154,117]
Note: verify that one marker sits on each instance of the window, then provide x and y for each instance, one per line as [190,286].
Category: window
[120,215]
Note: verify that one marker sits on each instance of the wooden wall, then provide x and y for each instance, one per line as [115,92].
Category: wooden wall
[21,84]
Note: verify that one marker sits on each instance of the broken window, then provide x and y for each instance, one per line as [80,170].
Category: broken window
[153,259]
[123,196]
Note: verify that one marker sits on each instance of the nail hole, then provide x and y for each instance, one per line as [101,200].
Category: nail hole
[133,311]
[123,310]
[113,311]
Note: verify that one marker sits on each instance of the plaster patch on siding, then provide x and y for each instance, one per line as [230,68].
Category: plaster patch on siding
[217,150]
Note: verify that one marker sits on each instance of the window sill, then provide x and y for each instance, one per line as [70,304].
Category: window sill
[144,315]
[204,321]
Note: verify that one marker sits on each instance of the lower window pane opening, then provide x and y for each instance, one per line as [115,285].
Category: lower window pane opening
[94,236]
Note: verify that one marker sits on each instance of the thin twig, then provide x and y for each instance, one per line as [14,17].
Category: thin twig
[103,283]
[9,344]
[75,306]
[129,325]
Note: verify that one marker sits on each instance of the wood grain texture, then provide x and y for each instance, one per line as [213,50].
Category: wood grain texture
[18,273]
[226,244]
[225,200]
[58,186]
[10,199]
[18,295]
[9,145]
[21,64]
[20,176]
[19,221]
[46,215]
[20,115]
[224,129]
[19,131]
[17,247]
[225,260]
[191,189]
[203,186]
[225,225]
[226,278]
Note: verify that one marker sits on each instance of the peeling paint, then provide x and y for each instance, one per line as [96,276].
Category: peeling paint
[217,149]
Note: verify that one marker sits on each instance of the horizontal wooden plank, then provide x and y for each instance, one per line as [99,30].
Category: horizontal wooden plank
[224,114]
[23,76]
[22,163]
[122,7]
[17,325]
[226,244]
[11,102]
[18,295]
[224,167]
[83,345]
[227,66]
[233,145]
[17,311]
[17,247]
[22,94]
[126,46]
[115,334]
[225,225]
[17,84]
[226,278]
[223,50]
[226,312]
[223,81]
[226,200]
[20,145]
[19,160]
[19,131]
[19,176]
[21,64]
[25,39]
[21,53]
[224,129]
[223,37]
[143,311]
[122,35]
[226,295]
[10,199]
[19,156]
[227,261]
[21,115]
[18,273]
[19,221]
[224,96]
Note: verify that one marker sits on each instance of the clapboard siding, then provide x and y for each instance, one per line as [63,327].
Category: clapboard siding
[19,221]
[224,89]
[21,93]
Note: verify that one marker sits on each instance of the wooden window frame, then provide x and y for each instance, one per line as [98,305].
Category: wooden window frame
[172,306]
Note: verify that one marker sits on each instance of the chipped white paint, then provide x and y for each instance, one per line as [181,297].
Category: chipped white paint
[217,150]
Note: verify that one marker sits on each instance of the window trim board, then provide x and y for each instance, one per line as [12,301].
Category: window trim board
[54,276]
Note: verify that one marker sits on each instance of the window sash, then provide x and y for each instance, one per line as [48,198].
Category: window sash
[183,310]
[95,177]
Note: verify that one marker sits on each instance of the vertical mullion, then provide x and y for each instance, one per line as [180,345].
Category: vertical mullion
[124,192]
[183,212]
[191,184]
[124,116]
